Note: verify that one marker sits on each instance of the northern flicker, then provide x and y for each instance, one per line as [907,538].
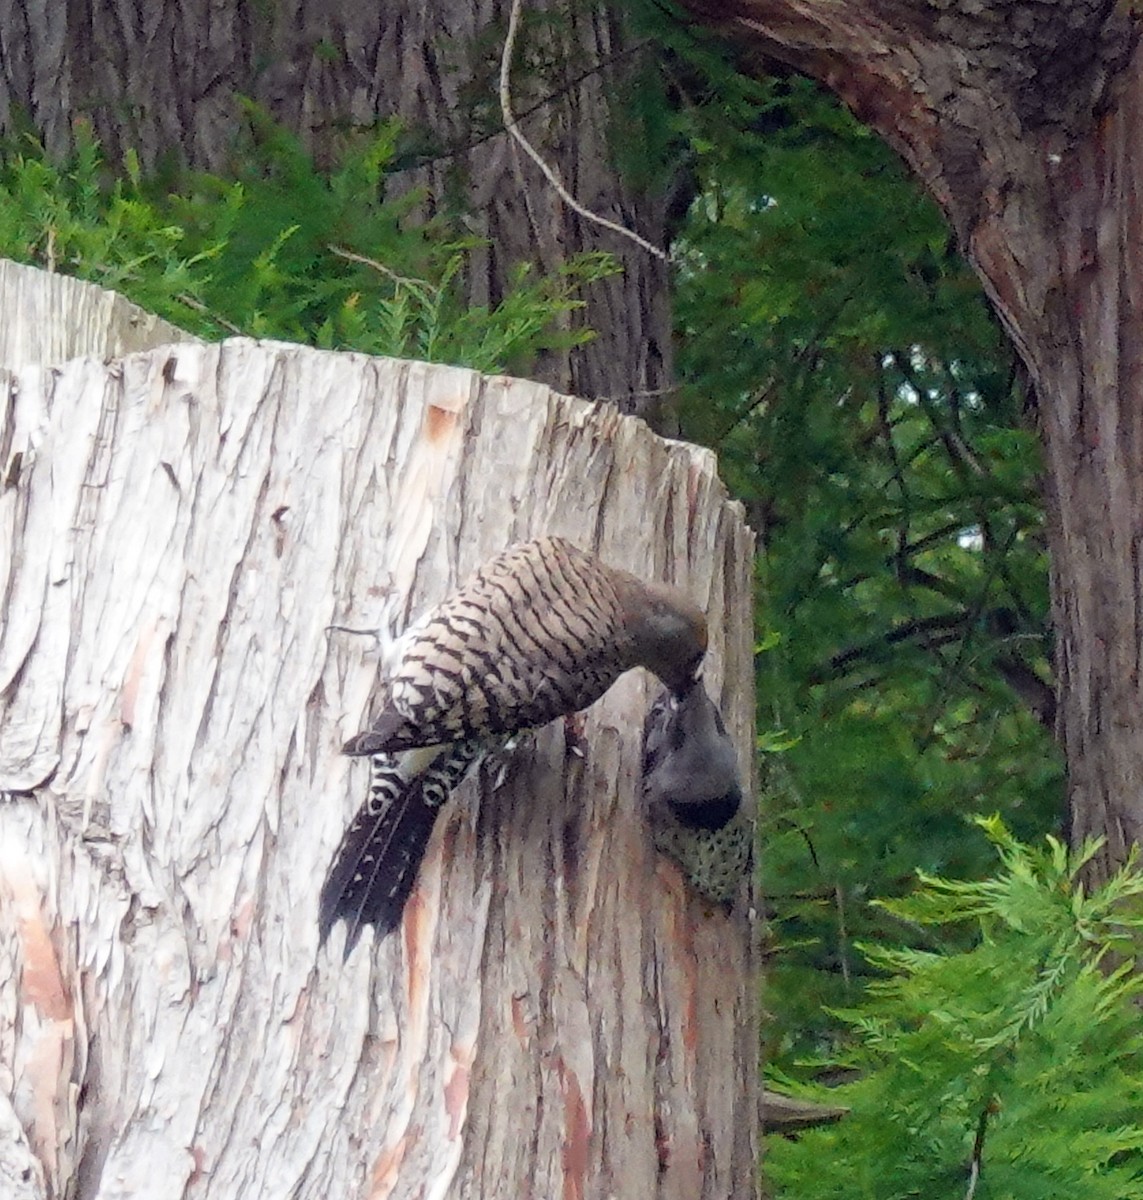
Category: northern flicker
[540,631]
[692,791]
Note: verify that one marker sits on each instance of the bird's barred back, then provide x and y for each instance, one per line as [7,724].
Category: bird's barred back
[538,632]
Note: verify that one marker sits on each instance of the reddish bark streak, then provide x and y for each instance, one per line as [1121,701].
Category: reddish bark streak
[456,1099]
[576,1155]
[439,424]
[519,1025]
[136,671]
[41,984]
[386,1170]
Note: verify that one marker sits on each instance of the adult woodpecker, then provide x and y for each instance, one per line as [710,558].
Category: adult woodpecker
[540,631]
[692,791]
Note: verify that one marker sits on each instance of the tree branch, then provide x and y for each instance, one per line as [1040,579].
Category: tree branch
[547,171]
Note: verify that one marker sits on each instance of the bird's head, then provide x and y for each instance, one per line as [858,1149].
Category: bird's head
[690,761]
[670,635]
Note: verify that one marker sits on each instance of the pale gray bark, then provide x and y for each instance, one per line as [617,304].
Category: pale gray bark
[71,319]
[557,1016]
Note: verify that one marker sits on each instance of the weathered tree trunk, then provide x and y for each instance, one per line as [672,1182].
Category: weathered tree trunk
[163,77]
[1026,121]
[50,323]
[557,1016]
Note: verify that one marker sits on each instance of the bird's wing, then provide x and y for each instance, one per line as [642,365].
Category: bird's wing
[536,633]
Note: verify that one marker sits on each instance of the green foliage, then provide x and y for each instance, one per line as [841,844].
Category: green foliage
[1019,1060]
[865,404]
[283,250]
[65,219]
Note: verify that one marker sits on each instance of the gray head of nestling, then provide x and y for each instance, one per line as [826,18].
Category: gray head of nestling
[690,762]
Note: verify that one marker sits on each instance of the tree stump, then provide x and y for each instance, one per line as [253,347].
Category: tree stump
[558,1016]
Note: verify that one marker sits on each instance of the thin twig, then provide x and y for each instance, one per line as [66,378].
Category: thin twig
[978,1147]
[972,618]
[534,154]
[842,935]
[198,306]
[928,632]
[466,146]
[649,394]
[804,357]
[388,272]
[963,460]
[886,423]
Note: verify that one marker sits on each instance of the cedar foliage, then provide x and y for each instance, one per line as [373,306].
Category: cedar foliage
[282,250]
[1013,1069]
[839,354]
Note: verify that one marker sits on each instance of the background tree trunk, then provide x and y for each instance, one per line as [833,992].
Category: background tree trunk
[1025,120]
[557,1016]
[167,78]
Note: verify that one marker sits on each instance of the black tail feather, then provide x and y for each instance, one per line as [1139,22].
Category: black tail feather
[376,866]
[380,855]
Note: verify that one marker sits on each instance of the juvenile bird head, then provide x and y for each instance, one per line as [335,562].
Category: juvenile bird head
[693,793]
[668,632]
[689,759]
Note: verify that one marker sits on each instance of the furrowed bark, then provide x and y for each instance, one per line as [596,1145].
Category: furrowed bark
[171,79]
[557,1015]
